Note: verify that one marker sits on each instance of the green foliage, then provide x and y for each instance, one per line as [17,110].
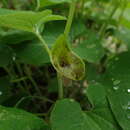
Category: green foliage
[98,100]
[32,53]
[44,3]
[15,119]
[67,114]
[64,113]
[27,20]
[101,110]
[90,49]
[67,63]
[4,89]
[117,84]
[16,37]
[6,55]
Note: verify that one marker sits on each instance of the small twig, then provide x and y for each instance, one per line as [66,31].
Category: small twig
[60,86]
[24,98]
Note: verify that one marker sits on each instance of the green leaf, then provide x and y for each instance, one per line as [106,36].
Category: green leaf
[120,106]
[97,95]
[125,22]
[123,35]
[89,124]
[90,49]
[51,32]
[106,114]
[15,119]
[103,124]
[44,3]
[97,99]
[67,115]
[117,83]
[23,20]
[93,73]
[77,29]
[52,18]
[15,37]
[32,53]
[6,55]
[27,20]
[65,61]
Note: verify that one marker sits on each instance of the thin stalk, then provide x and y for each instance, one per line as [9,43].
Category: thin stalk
[19,69]
[19,79]
[60,86]
[38,5]
[58,75]
[20,72]
[28,72]
[31,97]
[82,6]
[70,19]
[123,10]
[12,78]
[8,72]
[43,42]
[66,32]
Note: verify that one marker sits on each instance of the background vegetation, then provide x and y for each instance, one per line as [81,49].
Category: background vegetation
[56,74]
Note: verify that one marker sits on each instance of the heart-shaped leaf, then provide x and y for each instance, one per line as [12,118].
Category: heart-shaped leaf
[15,119]
[68,115]
[27,20]
[65,61]
[90,49]
[32,53]
[117,84]
[98,97]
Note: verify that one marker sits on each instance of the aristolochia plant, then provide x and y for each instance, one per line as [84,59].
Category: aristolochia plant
[27,80]
[66,62]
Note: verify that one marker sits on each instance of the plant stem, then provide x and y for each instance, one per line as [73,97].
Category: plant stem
[12,78]
[60,86]
[19,79]
[28,72]
[70,18]
[59,77]
[82,6]
[24,98]
[43,42]
[66,32]
[38,5]
[21,73]
[19,69]
[8,72]
[123,10]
